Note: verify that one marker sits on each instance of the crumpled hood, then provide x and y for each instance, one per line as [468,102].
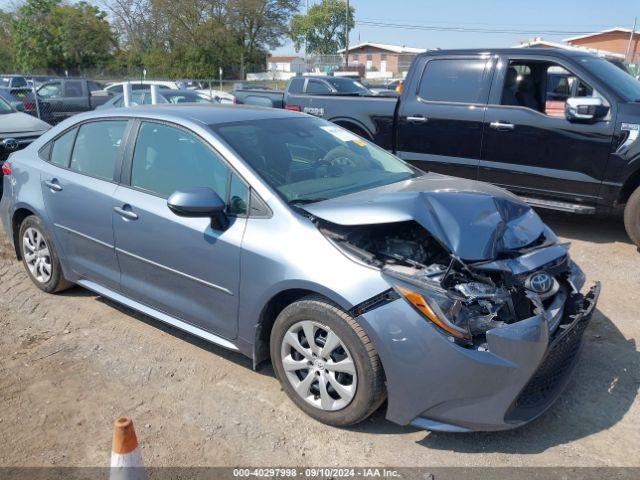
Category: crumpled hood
[21,123]
[474,220]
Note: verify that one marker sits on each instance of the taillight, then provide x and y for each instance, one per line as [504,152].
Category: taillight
[5,169]
[293,108]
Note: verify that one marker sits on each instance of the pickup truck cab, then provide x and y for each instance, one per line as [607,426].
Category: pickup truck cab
[557,127]
[63,98]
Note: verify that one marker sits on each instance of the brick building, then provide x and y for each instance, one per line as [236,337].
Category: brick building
[381,57]
[615,40]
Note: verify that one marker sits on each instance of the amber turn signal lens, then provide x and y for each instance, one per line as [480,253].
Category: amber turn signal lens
[420,304]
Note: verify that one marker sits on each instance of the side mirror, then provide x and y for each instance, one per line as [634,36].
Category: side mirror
[199,202]
[585,109]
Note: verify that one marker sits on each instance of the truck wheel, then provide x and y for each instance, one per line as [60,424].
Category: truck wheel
[39,256]
[325,362]
[632,217]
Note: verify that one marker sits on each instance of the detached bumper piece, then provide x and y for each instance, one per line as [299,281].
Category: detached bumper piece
[559,361]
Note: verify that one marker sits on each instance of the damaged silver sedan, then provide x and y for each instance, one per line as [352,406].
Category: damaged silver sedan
[285,237]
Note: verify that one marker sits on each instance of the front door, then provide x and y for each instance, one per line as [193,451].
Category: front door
[180,266]
[77,186]
[529,145]
[440,126]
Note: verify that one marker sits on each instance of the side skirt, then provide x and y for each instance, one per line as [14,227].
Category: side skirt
[163,317]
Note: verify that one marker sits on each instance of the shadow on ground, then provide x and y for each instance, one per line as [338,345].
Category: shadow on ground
[590,228]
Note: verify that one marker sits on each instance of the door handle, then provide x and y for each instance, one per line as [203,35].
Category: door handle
[126,214]
[416,119]
[53,185]
[502,126]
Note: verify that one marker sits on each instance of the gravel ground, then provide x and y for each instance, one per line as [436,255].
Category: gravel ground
[71,363]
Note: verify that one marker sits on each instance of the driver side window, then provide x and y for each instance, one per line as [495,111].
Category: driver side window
[53,90]
[543,86]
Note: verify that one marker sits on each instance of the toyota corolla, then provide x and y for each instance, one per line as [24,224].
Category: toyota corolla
[289,239]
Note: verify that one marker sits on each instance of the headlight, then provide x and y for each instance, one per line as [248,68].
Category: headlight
[436,307]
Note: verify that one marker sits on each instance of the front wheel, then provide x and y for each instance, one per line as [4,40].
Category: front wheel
[632,217]
[326,363]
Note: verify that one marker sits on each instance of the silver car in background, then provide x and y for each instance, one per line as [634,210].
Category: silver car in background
[284,237]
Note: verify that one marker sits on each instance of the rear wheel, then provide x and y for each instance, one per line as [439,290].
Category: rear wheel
[632,217]
[40,257]
[326,363]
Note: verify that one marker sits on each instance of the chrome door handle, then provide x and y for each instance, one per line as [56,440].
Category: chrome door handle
[127,214]
[416,119]
[502,126]
[53,185]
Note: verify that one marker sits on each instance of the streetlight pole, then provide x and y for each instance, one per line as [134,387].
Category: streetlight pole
[346,37]
[633,32]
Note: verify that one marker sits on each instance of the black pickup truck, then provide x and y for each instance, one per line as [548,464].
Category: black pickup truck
[560,128]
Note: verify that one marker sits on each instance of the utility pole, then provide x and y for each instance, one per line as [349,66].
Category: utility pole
[346,38]
[306,39]
[633,31]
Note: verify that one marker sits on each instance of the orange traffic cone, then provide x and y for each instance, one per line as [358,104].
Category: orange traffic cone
[126,460]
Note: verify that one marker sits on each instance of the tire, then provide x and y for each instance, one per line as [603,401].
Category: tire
[632,217]
[33,240]
[355,396]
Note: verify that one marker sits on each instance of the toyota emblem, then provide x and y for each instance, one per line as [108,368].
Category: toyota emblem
[540,282]
[10,144]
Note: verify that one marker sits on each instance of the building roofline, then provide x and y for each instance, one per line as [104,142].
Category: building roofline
[386,46]
[602,32]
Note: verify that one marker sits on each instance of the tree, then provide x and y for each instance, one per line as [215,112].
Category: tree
[259,24]
[7,52]
[56,37]
[323,27]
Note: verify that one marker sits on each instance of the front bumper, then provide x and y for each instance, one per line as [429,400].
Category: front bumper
[435,384]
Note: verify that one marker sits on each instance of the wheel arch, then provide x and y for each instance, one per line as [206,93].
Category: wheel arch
[629,186]
[354,127]
[16,220]
[276,304]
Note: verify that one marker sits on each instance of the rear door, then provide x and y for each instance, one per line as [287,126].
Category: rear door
[440,118]
[529,145]
[78,182]
[76,97]
[180,266]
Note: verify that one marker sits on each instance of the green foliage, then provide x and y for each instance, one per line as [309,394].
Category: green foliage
[52,36]
[323,27]
[7,52]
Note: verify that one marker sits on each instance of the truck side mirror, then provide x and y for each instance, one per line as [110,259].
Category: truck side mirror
[585,109]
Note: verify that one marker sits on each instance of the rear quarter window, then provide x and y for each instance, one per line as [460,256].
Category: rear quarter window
[61,149]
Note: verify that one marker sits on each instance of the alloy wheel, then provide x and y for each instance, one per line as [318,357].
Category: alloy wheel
[318,365]
[37,255]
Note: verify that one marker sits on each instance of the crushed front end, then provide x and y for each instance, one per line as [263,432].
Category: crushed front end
[469,344]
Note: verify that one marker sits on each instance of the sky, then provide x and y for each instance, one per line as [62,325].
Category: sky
[517,19]
[553,17]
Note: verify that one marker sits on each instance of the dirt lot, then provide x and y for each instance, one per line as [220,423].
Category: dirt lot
[70,364]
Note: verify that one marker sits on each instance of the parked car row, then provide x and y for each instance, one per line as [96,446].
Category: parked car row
[557,127]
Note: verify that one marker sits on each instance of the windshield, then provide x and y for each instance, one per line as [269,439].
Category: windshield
[308,160]
[5,107]
[619,81]
[346,85]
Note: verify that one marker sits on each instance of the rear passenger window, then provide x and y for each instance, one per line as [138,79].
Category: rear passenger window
[72,88]
[96,148]
[296,85]
[61,150]
[459,81]
[315,86]
[167,159]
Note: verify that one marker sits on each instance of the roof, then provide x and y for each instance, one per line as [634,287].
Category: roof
[275,59]
[207,114]
[573,52]
[564,46]
[602,32]
[385,46]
